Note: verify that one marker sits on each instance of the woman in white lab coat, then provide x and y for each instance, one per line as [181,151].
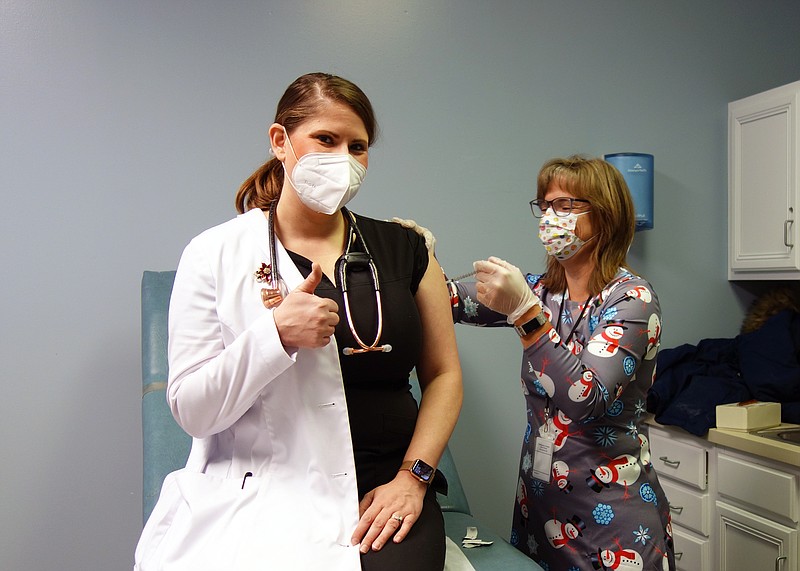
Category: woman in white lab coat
[308,449]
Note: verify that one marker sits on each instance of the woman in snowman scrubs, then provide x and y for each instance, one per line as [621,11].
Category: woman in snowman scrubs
[309,451]
[589,329]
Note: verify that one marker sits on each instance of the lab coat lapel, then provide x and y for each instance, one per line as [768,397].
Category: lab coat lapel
[258,226]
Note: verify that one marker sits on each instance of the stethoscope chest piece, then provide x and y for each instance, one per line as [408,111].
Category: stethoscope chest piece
[271,297]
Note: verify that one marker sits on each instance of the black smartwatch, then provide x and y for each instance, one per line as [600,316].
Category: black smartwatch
[530,326]
[420,470]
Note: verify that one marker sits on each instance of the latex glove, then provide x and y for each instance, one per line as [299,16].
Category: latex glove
[503,288]
[430,239]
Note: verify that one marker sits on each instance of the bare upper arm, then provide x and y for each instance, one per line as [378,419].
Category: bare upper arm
[439,351]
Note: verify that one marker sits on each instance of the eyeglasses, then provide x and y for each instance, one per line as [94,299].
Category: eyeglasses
[561,206]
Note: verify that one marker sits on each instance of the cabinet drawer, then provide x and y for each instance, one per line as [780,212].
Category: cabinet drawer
[691,553]
[678,460]
[688,508]
[759,486]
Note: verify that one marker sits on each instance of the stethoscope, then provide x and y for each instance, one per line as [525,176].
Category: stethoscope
[357,260]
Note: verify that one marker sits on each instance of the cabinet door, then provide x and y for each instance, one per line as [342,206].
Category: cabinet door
[763,227]
[749,542]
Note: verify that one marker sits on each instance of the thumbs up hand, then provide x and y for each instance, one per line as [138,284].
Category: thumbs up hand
[304,319]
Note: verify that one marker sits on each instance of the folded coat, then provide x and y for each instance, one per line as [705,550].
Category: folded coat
[691,380]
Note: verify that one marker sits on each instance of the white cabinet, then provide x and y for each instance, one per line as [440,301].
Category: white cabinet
[731,510]
[764,185]
[757,511]
[747,541]
[682,467]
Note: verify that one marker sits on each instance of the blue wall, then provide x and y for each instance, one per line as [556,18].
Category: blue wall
[128,125]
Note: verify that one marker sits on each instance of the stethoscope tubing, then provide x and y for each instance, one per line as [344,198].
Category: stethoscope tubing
[341,271]
[342,279]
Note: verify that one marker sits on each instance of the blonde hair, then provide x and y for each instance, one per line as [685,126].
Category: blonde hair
[302,100]
[612,212]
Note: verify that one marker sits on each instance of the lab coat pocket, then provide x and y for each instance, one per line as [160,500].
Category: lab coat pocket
[199,522]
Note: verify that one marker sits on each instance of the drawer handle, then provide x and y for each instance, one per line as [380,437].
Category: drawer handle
[676,509]
[668,462]
[786,234]
[678,555]
[779,563]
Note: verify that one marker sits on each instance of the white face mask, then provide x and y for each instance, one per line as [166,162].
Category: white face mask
[557,234]
[325,181]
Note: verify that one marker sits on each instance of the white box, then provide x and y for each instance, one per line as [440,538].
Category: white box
[748,415]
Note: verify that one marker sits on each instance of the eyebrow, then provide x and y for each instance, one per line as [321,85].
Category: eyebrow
[337,135]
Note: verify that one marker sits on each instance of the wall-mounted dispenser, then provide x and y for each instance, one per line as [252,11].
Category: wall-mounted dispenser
[637,170]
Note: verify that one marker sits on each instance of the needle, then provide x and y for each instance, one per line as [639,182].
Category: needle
[464,276]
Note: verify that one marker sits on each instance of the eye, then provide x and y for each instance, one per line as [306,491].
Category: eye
[325,139]
[562,206]
[358,148]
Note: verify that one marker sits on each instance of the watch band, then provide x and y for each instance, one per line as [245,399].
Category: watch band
[538,321]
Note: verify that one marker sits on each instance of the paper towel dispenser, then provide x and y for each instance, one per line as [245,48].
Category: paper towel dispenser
[637,170]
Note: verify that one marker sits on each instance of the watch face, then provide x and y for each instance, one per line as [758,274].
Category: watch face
[422,471]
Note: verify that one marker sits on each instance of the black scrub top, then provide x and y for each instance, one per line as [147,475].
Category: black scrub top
[381,409]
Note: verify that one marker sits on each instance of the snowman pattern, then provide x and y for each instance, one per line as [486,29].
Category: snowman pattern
[560,472]
[644,451]
[560,533]
[580,390]
[623,470]
[653,336]
[522,499]
[559,427]
[617,559]
[640,292]
[617,341]
[606,343]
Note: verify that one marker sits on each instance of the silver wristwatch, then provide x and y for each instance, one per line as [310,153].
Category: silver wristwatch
[530,326]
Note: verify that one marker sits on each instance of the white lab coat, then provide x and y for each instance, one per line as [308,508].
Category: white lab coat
[251,407]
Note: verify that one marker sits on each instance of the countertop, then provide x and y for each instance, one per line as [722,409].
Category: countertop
[758,445]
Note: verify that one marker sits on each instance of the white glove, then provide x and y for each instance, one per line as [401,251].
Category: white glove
[430,240]
[503,288]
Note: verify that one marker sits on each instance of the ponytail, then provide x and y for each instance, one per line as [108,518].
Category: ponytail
[261,188]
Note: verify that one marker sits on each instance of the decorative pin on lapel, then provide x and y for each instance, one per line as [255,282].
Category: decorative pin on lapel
[264,273]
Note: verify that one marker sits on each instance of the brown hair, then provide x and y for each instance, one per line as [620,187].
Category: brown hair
[302,100]
[612,212]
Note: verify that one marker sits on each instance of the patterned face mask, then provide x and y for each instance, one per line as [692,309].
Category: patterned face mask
[557,234]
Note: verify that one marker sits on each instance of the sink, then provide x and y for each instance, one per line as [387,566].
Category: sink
[790,435]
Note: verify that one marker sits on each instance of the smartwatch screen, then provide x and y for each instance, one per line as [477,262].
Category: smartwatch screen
[422,471]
